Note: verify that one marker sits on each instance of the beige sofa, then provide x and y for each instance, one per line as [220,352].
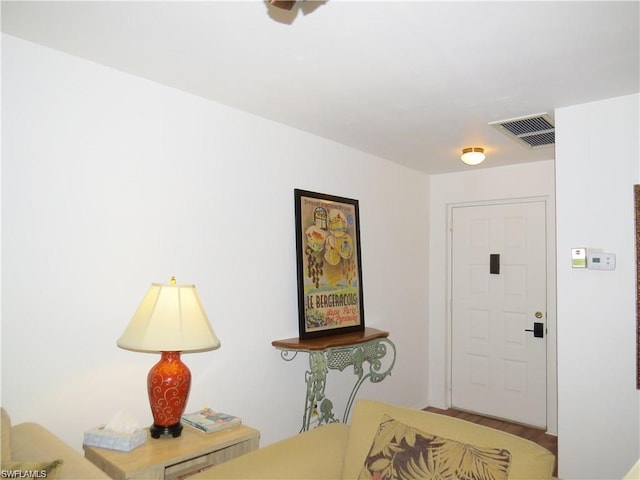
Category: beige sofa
[33,450]
[339,451]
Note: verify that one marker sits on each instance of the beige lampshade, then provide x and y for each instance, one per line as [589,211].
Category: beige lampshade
[169,319]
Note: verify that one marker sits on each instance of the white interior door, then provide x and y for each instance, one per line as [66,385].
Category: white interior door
[498,366]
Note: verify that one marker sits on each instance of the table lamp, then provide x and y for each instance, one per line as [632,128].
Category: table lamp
[170,320]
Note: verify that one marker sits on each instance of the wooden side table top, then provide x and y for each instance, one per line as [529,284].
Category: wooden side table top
[330,341]
[189,444]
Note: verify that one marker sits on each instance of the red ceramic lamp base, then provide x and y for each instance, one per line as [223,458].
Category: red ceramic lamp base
[168,384]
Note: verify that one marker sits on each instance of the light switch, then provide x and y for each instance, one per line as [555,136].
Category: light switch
[579,257]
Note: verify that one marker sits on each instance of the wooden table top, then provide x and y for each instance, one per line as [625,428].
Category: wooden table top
[329,341]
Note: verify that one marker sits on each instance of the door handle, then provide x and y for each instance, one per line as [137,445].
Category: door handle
[538,330]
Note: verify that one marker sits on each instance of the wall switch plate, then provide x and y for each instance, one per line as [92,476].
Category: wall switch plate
[601,261]
[579,257]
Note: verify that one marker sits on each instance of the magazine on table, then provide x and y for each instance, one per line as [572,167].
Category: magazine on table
[209,421]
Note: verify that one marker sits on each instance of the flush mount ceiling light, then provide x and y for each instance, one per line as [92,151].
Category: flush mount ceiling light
[473,155]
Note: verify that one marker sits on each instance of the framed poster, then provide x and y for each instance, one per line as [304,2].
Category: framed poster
[329,265]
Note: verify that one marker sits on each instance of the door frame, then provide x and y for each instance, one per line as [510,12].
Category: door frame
[552,370]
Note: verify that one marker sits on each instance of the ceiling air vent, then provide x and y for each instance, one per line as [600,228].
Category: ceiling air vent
[534,131]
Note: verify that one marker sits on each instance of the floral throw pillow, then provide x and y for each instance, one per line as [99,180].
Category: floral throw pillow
[402,452]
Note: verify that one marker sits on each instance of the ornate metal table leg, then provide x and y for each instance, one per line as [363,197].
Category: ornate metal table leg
[372,352]
[316,380]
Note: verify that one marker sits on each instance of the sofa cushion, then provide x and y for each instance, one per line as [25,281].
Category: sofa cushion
[402,451]
[5,431]
[528,460]
[313,455]
[49,469]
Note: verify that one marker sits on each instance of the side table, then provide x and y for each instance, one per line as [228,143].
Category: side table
[336,352]
[168,458]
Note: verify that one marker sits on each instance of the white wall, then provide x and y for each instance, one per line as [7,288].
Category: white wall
[597,157]
[491,184]
[111,182]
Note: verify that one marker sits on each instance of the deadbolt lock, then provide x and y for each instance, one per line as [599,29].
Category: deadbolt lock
[538,314]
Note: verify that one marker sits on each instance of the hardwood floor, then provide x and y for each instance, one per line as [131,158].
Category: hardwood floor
[535,435]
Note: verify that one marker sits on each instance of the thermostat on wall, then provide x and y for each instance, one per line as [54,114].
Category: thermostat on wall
[601,261]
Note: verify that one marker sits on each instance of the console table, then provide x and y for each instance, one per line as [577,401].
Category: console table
[336,352]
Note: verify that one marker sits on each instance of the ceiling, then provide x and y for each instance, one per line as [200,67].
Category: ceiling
[413,82]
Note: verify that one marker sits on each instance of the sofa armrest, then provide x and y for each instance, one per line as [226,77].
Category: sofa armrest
[32,442]
[316,454]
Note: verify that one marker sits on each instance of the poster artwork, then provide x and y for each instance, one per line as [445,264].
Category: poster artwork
[330,264]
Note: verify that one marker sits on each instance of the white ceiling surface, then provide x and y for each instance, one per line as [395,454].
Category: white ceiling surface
[413,82]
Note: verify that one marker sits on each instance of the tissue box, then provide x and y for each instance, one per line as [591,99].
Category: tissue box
[125,442]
